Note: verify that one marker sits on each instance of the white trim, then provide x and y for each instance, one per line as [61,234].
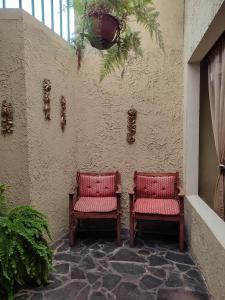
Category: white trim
[215,224]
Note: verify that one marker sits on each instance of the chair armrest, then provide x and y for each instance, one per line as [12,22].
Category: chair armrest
[73,195]
[131,197]
[180,192]
[181,199]
[119,189]
[131,192]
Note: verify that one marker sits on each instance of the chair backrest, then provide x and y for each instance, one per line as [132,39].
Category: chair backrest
[156,185]
[97,184]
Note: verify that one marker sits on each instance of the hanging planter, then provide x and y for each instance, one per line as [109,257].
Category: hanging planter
[103,30]
[104,24]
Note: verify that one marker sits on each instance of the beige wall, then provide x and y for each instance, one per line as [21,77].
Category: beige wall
[14,148]
[95,136]
[204,22]
[198,17]
[207,243]
[154,86]
[51,153]
[38,160]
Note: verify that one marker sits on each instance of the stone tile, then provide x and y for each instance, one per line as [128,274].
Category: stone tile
[54,282]
[97,254]
[127,255]
[150,282]
[110,281]
[92,277]
[156,260]
[128,268]
[62,268]
[68,292]
[87,263]
[83,294]
[143,252]
[98,269]
[158,272]
[174,280]
[182,267]
[183,258]
[64,247]
[180,294]
[67,257]
[127,290]
[148,296]
[77,273]
[36,297]
[98,296]
[22,297]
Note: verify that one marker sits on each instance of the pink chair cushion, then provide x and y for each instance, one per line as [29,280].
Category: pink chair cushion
[95,204]
[157,206]
[97,186]
[161,187]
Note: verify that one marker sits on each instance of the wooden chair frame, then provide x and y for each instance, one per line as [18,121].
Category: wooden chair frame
[179,196]
[75,216]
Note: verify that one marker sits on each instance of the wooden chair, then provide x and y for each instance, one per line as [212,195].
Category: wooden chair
[157,196]
[95,196]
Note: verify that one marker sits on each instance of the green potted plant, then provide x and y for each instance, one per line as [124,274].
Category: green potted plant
[105,24]
[25,257]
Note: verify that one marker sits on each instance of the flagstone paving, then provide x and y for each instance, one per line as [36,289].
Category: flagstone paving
[96,269]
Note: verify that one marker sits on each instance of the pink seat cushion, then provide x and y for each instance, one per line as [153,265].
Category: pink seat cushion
[97,186]
[157,206]
[96,204]
[161,187]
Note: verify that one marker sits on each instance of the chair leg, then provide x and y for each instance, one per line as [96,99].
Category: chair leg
[118,225]
[73,224]
[181,236]
[131,230]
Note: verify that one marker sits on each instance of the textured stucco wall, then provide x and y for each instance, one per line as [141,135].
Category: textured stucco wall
[95,136]
[14,148]
[205,230]
[154,86]
[206,247]
[51,152]
[198,16]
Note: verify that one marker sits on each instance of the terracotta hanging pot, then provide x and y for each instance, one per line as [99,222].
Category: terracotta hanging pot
[104,30]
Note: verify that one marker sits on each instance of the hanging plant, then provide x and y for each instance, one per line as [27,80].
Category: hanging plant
[105,25]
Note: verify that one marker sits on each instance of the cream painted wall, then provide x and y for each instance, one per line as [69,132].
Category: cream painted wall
[95,136]
[204,22]
[14,148]
[52,154]
[154,86]
[198,17]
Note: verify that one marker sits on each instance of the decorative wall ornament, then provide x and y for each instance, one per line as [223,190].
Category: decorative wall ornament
[131,125]
[7,117]
[63,113]
[46,98]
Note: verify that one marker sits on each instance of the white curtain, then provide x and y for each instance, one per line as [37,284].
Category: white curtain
[216,75]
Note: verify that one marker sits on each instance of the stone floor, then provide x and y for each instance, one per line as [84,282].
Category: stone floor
[96,269]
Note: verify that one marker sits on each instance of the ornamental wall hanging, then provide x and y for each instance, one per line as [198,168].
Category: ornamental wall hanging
[46,98]
[105,25]
[63,113]
[131,125]
[7,117]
